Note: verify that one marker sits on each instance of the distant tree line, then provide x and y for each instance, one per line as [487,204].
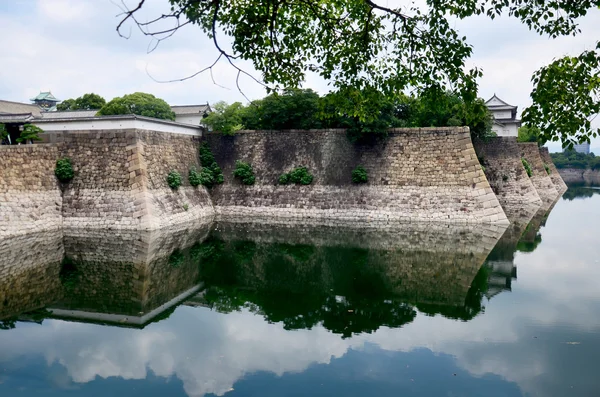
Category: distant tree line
[572,159]
[139,103]
[305,109]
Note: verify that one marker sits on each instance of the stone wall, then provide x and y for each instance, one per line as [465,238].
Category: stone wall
[576,175]
[539,177]
[120,182]
[559,184]
[428,174]
[30,197]
[504,170]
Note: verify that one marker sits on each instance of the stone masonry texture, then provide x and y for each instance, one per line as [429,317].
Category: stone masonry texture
[559,184]
[504,170]
[120,182]
[427,174]
[578,175]
[539,177]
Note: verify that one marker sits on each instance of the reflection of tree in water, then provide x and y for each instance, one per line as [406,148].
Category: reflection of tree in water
[345,289]
[580,191]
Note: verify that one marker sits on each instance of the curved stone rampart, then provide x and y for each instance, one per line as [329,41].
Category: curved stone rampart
[559,184]
[539,177]
[504,170]
[427,174]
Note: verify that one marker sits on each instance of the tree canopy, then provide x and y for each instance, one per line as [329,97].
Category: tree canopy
[89,101]
[572,159]
[305,109]
[364,44]
[529,134]
[138,103]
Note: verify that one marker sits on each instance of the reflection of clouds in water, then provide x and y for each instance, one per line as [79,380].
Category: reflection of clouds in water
[208,351]
[520,337]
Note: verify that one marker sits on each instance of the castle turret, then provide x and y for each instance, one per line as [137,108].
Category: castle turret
[46,101]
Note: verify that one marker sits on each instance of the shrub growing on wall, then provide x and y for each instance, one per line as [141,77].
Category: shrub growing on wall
[211,172]
[64,170]
[244,172]
[299,176]
[359,175]
[547,168]
[194,177]
[527,166]
[174,179]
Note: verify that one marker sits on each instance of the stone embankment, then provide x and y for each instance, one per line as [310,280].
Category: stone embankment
[121,167]
[504,170]
[577,175]
[539,176]
[427,174]
[555,176]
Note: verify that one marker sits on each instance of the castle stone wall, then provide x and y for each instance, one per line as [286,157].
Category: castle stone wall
[577,175]
[504,170]
[30,197]
[428,174]
[559,184]
[539,177]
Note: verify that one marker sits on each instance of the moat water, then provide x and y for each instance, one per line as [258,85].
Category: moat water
[242,309]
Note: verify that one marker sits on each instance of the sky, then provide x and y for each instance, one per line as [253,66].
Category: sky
[71,47]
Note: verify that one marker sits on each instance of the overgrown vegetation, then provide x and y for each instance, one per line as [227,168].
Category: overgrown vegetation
[529,134]
[211,174]
[64,170]
[89,101]
[354,44]
[194,177]
[547,168]
[3,132]
[244,172]
[139,103]
[526,166]
[572,159]
[359,175]
[176,258]
[304,109]
[30,133]
[174,179]
[299,176]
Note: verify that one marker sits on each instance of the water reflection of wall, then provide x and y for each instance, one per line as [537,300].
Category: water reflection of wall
[127,273]
[350,279]
[29,272]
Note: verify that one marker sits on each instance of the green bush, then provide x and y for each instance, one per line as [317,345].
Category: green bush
[298,175]
[211,173]
[176,258]
[139,103]
[547,168]
[64,170]
[30,133]
[359,175]
[194,177]
[527,166]
[244,172]
[174,179]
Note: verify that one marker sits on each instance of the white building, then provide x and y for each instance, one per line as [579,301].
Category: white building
[505,117]
[190,114]
[582,148]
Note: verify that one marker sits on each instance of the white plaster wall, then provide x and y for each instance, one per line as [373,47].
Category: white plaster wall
[193,119]
[502,114]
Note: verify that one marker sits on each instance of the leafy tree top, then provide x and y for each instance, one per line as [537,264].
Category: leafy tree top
[362,44]
[139,103]
[89,101]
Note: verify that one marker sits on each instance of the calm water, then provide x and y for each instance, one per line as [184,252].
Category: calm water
[257,310]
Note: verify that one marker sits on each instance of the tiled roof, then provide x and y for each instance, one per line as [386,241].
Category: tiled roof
[15,117]
[69,114]
[19,108]
[191,109]
[501,104]
[45,96]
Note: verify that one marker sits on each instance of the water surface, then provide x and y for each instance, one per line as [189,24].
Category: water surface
[246,309]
